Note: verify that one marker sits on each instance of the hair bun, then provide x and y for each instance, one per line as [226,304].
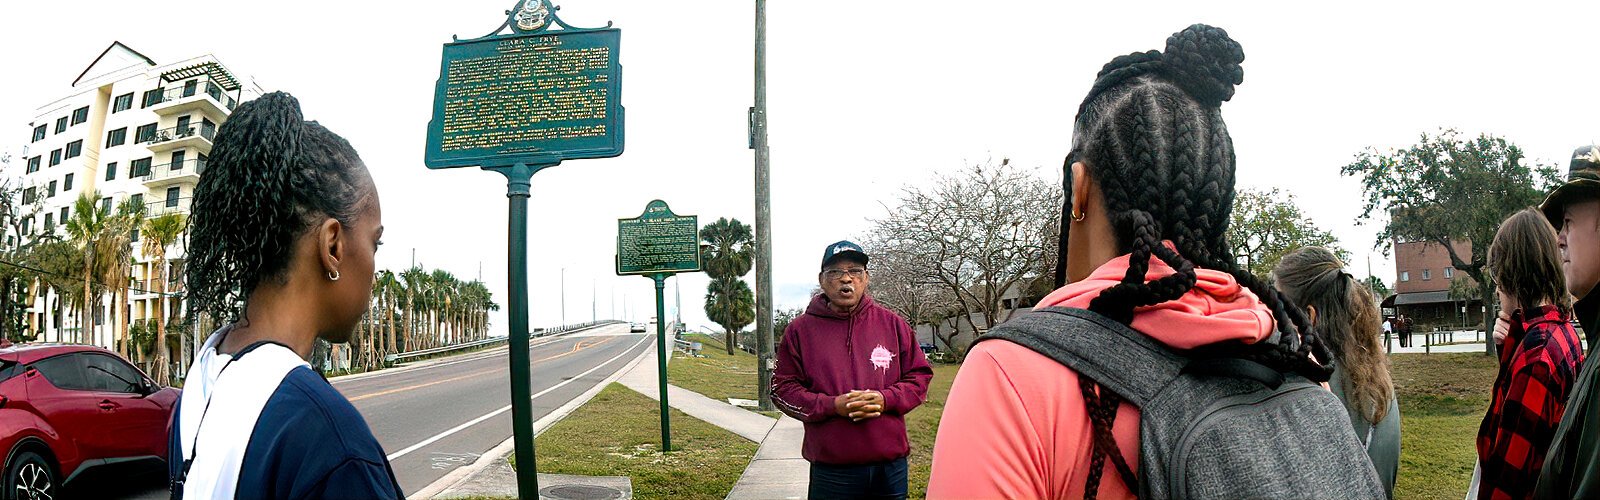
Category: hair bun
[1204,61]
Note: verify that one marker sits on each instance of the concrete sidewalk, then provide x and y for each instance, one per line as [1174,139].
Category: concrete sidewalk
[747,424]
[776,472]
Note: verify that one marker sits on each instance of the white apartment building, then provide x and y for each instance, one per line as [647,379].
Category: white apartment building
[129,128]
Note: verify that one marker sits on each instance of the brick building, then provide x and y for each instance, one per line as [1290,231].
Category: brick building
[1423,278]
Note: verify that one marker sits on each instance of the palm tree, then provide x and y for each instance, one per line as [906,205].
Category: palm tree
[159,232]
[117,249]
[388,288]
[86,226]
[727,256]
[415,283]
[444,290]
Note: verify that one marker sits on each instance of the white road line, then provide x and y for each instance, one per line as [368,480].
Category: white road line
[475,421]
[475,356]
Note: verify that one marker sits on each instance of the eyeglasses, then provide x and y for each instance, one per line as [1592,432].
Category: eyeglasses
[834,274]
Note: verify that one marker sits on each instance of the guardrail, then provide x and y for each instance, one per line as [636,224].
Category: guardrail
[392,358]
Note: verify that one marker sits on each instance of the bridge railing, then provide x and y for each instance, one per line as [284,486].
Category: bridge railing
[545,332]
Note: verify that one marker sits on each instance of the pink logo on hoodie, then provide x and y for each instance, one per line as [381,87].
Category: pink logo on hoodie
[881,358]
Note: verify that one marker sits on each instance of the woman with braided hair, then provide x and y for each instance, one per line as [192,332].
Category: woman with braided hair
[1346,315]
[1149,181]
[285,224]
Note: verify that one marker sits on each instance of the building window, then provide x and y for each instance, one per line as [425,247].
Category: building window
[172,196]
[52,191]
[61,124]
[1449,273]
[145,133]
[139,168]
[66,184]
[1427,274]
[111,171]
[80,115]
[63,215]
[138,199]
[49,222]
[55,157]
[1405,275]
[123,102]
[29,194]
[75,148]
[25,226]
[105,205]
[38,133]
[33,164]
[117,137]
[151,98]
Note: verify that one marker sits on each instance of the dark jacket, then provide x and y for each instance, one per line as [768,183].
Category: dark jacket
[825,354]
[1572,466]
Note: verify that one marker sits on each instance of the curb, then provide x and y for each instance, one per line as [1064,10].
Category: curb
[464,473]
[467,356]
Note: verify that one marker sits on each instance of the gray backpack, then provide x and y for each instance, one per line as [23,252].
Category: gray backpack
[1226,429]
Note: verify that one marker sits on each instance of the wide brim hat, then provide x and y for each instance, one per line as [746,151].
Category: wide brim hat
[1583,183]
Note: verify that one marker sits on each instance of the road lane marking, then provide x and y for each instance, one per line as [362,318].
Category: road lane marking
[581,345]
[576,347]
[467,357]
[419,386]
[475,421]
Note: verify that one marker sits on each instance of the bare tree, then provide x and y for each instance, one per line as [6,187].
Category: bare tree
[899,284]
[965,242]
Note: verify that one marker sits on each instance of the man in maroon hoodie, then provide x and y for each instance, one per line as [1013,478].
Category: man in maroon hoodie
[851,369]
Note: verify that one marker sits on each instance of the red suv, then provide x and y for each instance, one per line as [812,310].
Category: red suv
[66,409]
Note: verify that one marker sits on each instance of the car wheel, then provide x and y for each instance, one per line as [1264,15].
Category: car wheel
[29,478]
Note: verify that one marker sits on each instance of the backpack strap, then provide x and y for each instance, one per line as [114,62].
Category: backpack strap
[1118,357]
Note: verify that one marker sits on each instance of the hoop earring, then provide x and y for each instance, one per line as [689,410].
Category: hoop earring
[333,276]
[1078,216]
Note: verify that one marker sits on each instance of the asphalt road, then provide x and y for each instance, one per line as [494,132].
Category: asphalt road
[433,419]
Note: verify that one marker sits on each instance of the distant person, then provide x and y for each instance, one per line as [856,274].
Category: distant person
[1572,467]
[1388,331]
[1052,404]
[851,369]
[285,224]
[1346,316]
[1405,324]
[1539,356]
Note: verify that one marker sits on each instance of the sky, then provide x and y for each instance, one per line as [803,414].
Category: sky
[864,99]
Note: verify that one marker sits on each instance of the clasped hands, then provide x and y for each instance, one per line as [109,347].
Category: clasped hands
[859,405]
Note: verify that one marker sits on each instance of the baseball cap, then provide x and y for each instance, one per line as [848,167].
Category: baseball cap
[840,249]
[1583,182]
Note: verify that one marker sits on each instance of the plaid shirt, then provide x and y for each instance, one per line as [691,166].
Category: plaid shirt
[1538,364]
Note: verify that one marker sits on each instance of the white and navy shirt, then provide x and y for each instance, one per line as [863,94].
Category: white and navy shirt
[262,424]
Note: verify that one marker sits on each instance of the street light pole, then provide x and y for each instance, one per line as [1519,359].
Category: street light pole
[763,217]
[563,297]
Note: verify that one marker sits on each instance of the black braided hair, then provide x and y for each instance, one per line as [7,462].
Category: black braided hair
[270,177]
[1152,135]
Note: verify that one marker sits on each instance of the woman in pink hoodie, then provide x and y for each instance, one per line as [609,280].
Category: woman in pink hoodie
[1150,181]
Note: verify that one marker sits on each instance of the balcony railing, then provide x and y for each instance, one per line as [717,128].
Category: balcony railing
[174,133]
[182,91]
[164,206]
[171,170]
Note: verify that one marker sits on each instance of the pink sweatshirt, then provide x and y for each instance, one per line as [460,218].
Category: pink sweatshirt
[1015,424]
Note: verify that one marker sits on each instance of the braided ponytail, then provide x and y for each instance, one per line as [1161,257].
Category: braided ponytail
[269,177]
[1152,135]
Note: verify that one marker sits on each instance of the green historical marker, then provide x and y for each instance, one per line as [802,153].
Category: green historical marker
[516,103]
[659,244]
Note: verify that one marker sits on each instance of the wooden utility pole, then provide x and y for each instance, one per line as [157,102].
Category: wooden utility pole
[763,216]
